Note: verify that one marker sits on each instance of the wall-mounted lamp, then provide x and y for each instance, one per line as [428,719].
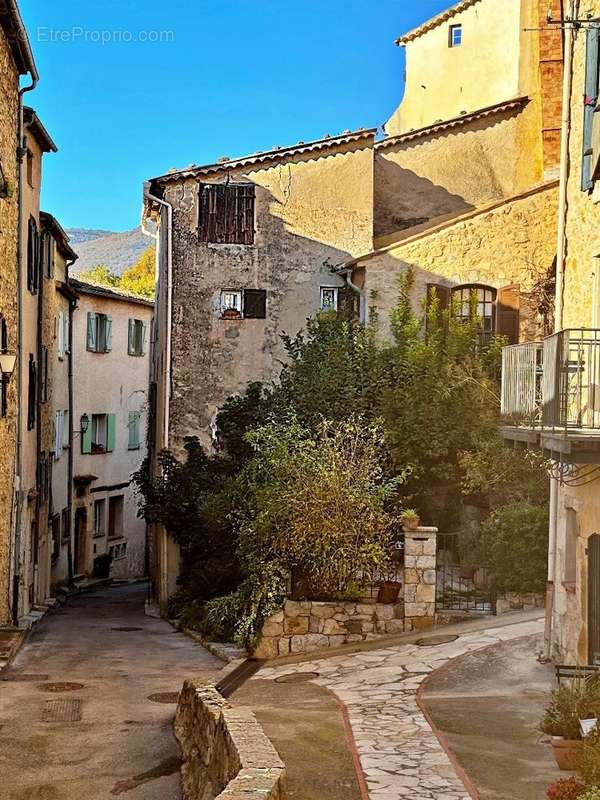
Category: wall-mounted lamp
[84,423]
[7,365]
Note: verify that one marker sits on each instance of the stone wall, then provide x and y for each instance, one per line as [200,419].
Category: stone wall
[420,549]
[226,754]
[511,601]
[301,627]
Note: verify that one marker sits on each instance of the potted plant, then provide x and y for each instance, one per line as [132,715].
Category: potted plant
[102,565]
[410,519]
[565,789]
[231,313]
[569,703]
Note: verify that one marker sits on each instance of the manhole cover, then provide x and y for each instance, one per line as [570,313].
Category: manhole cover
[23,677]
[297,677]
[62,711]
[127,629]
[432,641]
[164,697]
[60,687]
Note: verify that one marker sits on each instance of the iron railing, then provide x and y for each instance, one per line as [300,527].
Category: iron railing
[554,384]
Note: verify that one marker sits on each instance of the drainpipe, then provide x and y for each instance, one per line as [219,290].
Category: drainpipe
[21,151]
[569,34]
[72,308]
[362,301]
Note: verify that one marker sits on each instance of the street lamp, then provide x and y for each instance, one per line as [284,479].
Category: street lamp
[7,365]
[84,423]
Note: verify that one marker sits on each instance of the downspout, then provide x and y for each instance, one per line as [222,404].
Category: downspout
[569,33]
[21,151]
[362,301]
[70,569]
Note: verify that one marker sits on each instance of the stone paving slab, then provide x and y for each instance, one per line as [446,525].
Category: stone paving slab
[400,755]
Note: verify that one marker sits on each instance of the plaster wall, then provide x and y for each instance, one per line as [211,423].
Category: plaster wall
[430,95]
[111,383]
[312,212]
[512,243]
[9,83]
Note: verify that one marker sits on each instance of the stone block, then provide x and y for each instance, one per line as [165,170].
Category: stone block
[356,626]
[430,576]
[426,562]
[368,627]
[425,593]
[315,625]
[267,648]
[323,610]
[399,610]
[283,646]
[364,609]
[296,626]
[411,576]
[336,641]
[502,606]
[332,627]
[308,642]
[394,626]
[410,560]
[380,626]
[272,628]
[384,612]
[277,617]
[293,608]
[430,546]
[354,637]
[410,593]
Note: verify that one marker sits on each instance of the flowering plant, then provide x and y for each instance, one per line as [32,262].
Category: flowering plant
[567,789]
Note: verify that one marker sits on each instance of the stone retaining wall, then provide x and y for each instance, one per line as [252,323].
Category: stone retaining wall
[519,602]
[226,754]
[301,627]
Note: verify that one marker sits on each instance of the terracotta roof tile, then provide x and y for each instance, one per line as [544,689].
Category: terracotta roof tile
[435,21]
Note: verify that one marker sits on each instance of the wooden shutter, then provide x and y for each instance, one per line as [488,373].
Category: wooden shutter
[86,438]
[108,334]
[436,291]
[91,331]
[507,313]
[226,213]
[255,304]
[134,430]
[3,335]
[589,106]
[110,432]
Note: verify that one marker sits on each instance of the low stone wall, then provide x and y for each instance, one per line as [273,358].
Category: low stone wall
[226,754]
[301,627]
[519,602]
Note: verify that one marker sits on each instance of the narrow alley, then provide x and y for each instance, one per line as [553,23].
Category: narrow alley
[76,715]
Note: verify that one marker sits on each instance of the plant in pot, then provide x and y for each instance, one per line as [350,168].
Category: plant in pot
[102,565]
[410,519]
[569,703]
[565,789]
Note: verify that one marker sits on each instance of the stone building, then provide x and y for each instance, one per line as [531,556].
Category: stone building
[550,387]
[453,191]
[110,340]
[16,60]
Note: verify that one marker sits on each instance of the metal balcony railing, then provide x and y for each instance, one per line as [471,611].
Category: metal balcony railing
[554,384]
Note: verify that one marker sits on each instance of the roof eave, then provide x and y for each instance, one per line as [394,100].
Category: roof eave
[434,22]
[60,235]
[16,33]
[35,125]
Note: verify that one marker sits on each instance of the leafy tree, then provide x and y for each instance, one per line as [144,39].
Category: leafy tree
[100,276]
[140,278]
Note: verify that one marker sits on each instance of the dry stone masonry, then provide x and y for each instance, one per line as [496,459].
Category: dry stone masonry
[226,754]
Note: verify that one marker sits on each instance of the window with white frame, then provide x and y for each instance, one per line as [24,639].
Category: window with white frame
[455,36]
[99,432]
[329,298]
[136,338]
[231,303]
[99,333]
[65,430]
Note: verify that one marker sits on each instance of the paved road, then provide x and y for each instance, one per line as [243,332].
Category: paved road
[123,745]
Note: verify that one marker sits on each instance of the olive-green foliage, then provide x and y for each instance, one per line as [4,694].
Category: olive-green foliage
[571,702]
[100,276]
[593,793]
[140,279]
[589,761]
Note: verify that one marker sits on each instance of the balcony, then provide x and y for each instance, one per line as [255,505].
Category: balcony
[551,394]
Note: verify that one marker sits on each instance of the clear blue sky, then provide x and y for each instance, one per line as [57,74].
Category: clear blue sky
[239,76]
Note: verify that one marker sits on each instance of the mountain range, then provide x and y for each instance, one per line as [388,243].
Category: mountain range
[117,251]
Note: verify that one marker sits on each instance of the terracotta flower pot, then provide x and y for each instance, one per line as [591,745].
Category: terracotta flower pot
[411,524]
[566,752]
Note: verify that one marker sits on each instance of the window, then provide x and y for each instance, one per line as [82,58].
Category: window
[136,339]
[32,394]
[100,435]
[33,256]
[99,333]
[455,37]
[99,517]
[226,213]
[244,303]
[115,516]
[329,298]
[118,551]
[476,301]
[56,539]
[134,430]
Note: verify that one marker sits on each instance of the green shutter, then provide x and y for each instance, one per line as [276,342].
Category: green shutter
[130,334]
[110,432]
[86,438]
[144,329]
[134,430]
[108,334]
[91,331]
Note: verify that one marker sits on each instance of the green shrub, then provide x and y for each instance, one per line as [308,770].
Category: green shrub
[514,544]
[569,703]
[592,793]
[589,762]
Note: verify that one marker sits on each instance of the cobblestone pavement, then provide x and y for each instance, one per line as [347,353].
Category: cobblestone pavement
[400,755]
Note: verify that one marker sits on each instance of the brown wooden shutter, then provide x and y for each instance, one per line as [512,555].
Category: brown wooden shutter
[441,292]
[508,304]
[255,304]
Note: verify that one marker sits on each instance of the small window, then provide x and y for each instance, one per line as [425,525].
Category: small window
[115,516]
[100,435]
[136,338]
[99,517]
[476,302]
[455,38]
[329,298]
[226,213]
[134,430]
[30,169]
[243,303]
[99,333]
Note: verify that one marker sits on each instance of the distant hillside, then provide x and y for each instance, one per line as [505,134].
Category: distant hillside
[117,251]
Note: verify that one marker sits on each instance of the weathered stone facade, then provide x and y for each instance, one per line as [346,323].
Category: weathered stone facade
[226,754]
[9,84]
[420,548]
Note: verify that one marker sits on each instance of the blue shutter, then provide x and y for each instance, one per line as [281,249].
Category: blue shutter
[589,106]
